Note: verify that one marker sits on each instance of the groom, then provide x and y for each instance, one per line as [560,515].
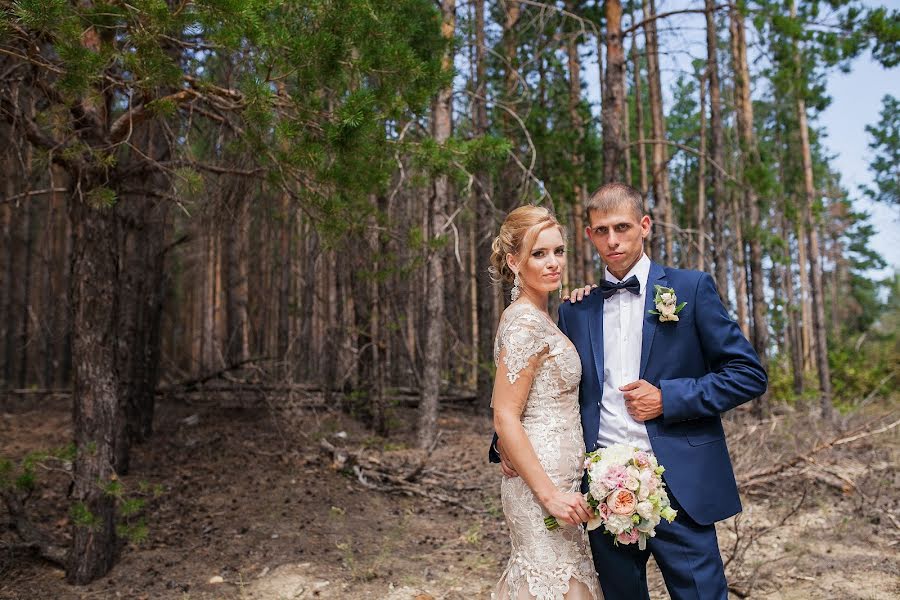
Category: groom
[661,386]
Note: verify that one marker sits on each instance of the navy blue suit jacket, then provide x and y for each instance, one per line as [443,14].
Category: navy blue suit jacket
[703,365]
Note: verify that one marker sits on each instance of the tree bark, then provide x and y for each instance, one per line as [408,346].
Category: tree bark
[485,226]
[236,276]
[815,270]
[613,106]
[739,264]
[717,150]
[700,261]
[581,267]
[812,236]
[750,154]
[284,282]
[143,220]
[662,209]
[6,266]
[794,333]
[99,420]
[639,117]
[510,181]
[434,303]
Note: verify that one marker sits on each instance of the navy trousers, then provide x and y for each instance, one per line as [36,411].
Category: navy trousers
[687,555]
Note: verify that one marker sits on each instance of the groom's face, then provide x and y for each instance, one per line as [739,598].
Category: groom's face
[618,236]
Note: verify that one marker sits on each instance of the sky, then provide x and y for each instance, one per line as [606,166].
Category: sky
[856,102]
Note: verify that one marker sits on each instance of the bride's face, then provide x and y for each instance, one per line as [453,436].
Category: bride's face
[542,269]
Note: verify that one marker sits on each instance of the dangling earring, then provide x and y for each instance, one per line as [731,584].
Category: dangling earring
[559,291]
[514,293]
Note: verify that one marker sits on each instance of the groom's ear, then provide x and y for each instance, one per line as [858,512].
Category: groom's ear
[646,225]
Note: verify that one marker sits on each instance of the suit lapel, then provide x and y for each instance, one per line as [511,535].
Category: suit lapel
[595,327]
[657,276]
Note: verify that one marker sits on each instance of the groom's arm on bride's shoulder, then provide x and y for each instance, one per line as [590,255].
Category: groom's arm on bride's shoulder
[735,374]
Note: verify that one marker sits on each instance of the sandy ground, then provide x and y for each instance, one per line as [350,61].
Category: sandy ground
[252,508]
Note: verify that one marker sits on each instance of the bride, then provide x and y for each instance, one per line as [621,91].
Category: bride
[536,417]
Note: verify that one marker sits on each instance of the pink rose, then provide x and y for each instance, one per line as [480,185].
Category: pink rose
[603,510]
[642,460]
[628,537]
[622,502]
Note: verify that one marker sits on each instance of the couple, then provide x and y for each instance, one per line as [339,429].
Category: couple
[611,372]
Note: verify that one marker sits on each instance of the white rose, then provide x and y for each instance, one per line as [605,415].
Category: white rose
[616,524]
[668,298]
[644,509]
[599,491]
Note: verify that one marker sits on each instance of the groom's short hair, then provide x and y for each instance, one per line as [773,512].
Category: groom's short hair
[613,196]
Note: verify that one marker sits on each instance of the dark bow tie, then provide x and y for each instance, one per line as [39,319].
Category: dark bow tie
[608,288]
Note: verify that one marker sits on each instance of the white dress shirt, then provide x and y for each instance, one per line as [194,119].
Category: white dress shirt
[623,325]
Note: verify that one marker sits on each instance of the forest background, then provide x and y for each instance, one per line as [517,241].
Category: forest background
[274,219]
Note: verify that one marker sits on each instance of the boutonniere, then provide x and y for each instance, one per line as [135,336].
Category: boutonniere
[666,302]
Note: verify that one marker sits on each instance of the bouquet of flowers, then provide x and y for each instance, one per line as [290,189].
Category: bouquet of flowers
[627,494]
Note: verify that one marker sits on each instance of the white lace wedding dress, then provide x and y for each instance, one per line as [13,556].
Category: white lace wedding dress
[544,565]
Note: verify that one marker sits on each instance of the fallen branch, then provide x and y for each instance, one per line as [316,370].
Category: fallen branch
[193,383]
[370,473]
[33,538]
[768,474]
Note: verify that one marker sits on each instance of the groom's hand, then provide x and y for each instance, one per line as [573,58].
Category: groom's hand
[579,294]
[505,465]
[642,400]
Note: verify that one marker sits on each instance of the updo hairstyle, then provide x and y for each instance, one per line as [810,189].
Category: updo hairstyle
[517,236]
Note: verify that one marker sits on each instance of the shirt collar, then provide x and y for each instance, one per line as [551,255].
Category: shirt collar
[641,270]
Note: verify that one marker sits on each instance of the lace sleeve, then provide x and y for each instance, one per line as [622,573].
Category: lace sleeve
[518,341]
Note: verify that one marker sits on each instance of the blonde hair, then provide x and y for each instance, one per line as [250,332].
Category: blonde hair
[517,236]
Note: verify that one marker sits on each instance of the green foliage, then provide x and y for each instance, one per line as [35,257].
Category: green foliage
[101,197]
[81,516]
[885,144]
[884,27]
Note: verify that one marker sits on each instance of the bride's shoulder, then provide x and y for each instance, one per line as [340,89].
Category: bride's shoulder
[524,315]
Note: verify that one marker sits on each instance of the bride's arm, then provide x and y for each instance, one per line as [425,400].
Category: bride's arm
[509,401]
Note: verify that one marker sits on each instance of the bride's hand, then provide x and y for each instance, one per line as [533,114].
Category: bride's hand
[569,507]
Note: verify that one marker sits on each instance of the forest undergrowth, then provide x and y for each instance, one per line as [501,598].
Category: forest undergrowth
[266,504]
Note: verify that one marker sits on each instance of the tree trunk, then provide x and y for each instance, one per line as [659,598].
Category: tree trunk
[750,155]
[6,268]
[795,334]
[812,236]
[237,286]
[510,180]
[739,265]
[717,150]
[807,341]
[641,132]
[815,271]
[283,264]
[639,117]
[581,267]
[613,106]
[662,209]
[434,303]
[700,262]
[99,421]
[143,221]
[485,225]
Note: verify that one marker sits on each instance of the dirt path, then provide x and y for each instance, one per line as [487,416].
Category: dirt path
[255,510]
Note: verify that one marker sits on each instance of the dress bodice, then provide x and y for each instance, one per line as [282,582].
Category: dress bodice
[546,565]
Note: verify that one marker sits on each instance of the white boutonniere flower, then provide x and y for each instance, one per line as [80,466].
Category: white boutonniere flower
[667,306]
